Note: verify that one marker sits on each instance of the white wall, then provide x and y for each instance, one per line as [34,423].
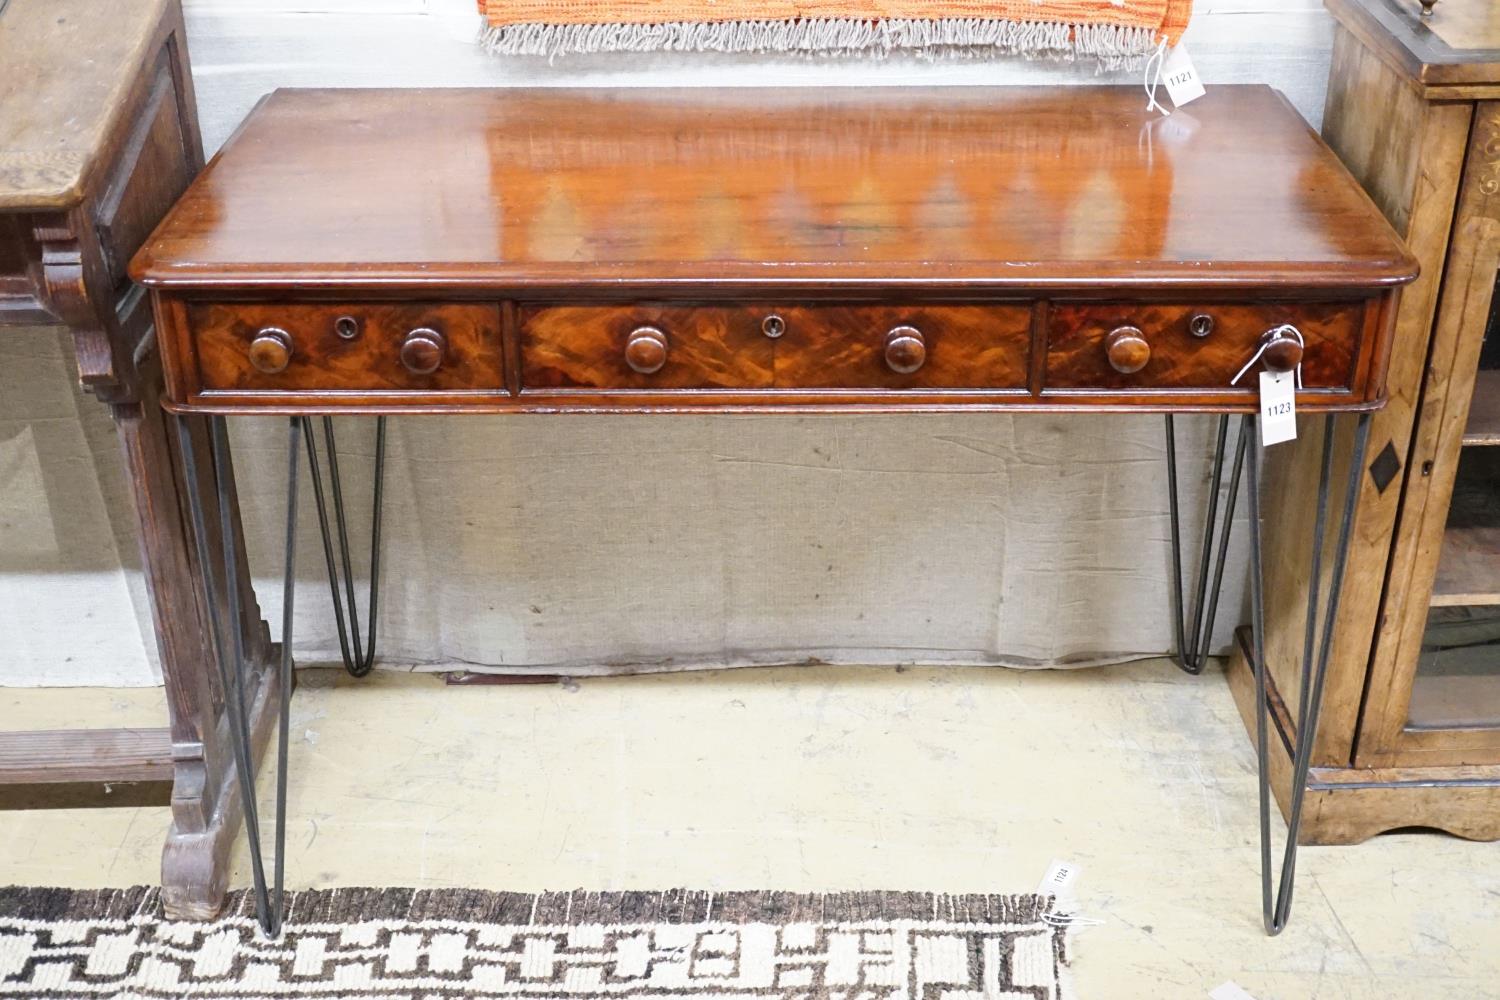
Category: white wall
[243,48]
[986,573]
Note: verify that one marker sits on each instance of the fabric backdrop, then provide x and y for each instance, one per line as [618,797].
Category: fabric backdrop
[588,543]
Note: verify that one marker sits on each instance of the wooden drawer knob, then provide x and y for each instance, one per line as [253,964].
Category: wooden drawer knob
[646,350]
[905,349]
[422,351]
[1280,349]
[1127,349]
[271,350]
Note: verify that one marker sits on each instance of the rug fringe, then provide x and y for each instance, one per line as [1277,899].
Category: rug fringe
[578,906]
[1111,46]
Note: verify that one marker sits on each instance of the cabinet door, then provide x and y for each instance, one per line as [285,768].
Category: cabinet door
[1434,693]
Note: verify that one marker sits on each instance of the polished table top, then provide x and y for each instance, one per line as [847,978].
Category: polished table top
[496,250]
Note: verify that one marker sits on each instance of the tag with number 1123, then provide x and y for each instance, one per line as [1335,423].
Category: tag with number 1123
[1278,407]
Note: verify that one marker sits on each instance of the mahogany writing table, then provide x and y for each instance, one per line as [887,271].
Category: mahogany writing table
[489,251]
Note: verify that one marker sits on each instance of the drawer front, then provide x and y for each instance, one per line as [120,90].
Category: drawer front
[1175,357]
[643,346]
[348,346]
[897,347]
[774,346]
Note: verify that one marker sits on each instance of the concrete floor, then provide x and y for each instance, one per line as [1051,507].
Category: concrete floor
[815,778]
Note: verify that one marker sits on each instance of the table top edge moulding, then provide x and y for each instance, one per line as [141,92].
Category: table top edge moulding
[997,223]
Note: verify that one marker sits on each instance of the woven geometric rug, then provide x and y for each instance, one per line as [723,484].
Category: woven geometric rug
[438,943]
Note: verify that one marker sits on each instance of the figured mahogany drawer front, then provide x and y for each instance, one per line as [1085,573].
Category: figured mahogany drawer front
[773,346]
[643,346]
[348,346]
[904,347]
[1139,346]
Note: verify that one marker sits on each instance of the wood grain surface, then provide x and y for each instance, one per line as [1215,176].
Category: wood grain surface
[844,347]
[370,360]
[584,347]
[817,346]
[62,65]
[590,215]
[1453,54]
[1077,357]
[989,188]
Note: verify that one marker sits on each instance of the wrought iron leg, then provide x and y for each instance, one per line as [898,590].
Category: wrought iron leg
[1192,652]
[1277,904]
[358,655]
[268,905]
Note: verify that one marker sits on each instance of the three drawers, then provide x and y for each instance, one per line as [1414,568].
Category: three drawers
[1072,351]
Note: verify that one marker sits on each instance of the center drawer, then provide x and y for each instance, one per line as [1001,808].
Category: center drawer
[823,346]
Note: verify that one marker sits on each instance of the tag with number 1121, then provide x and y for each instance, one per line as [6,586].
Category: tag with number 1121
[1278,407]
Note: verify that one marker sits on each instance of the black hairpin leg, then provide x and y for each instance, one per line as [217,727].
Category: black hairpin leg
[359,656]
[232,667]
[1277,903]
[1193,644]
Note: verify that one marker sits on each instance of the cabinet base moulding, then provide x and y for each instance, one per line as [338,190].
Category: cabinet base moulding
[1349,805]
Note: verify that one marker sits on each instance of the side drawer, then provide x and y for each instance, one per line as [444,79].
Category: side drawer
[350,346]
[1196,346]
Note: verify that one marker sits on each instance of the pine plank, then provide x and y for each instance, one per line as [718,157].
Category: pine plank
[57,756]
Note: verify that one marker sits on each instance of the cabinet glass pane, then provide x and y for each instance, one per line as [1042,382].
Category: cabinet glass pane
[1458,675]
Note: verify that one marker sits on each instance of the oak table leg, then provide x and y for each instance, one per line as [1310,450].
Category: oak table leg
[205,802]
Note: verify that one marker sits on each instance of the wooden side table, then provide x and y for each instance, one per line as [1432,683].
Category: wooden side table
[697,251]
[98,137]
[1410,734]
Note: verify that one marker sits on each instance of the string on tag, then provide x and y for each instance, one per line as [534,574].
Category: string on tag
[1265,341]
[1054,919]
[1153,78]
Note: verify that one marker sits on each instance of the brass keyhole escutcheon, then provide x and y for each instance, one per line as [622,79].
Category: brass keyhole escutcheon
[1201,325]
[773,326]
[347,327]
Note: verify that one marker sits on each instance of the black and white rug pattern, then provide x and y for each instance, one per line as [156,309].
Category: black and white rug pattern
[426,944]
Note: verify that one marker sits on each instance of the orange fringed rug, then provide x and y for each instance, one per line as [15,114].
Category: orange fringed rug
[1113,32]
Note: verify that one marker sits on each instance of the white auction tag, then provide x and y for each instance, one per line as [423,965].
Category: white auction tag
[1229,991]
[1180,76]
[1278,407]
[1061,878]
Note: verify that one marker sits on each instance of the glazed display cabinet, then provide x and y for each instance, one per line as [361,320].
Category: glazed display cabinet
[1410,734]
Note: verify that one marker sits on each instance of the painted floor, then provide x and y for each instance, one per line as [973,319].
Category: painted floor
[823,778]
